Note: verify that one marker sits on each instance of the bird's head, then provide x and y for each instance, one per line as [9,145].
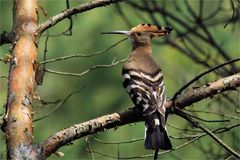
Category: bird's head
[142,34]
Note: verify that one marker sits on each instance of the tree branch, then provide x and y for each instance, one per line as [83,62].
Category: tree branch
[202,74]
[72,11]
[81,55]
[191,138]
[113,63]
[207,131]
[208,90]
[61,138]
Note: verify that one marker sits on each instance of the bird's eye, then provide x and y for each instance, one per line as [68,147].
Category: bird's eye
[139,34]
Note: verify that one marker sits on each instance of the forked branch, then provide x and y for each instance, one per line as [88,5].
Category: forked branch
[63,137]
[72,11]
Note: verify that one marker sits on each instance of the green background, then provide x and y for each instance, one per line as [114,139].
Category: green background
[103,92]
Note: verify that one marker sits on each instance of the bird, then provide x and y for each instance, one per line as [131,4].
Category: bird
[143,80]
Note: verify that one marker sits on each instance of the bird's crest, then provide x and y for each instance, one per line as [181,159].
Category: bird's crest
[156,30]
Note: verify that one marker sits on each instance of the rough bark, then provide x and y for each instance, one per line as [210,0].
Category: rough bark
[65,136]
[19,131]
[18,118]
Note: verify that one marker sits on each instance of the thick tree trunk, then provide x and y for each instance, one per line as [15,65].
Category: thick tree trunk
[19,128]
[18,118]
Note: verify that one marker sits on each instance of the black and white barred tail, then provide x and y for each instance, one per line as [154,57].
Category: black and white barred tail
[157,137]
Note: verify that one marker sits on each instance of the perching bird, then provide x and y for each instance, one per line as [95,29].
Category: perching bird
[143,80]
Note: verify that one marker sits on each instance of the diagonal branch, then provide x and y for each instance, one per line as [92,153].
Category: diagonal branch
[192,138]
[81,55]
[113,63]
[58,105]
[202,74]
[207,131]
[208,90]
[72,11]
[63,137]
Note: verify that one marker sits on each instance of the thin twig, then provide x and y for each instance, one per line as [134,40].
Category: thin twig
[4,77]
[219,141]
[45,50]
[191,137]
[103,123]
[209,121]
[201,9]
[228,158]
[124,17]
[119,142]
[207,131]
[207,38]
[202,74]
[183,129]
[233,14]
[72,11]
[70,22]
[82,55]
[87,70]
[216,131]
[210,112]
[59,105]
[210,38]
[89,148]
[147,155]
[43,103]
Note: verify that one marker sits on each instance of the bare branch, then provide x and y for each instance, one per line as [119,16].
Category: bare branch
[119,142]
[89,148]
[207,131]
[72,11]
[118,119]
[208,90]
[215,113]
[125,17]
[68,32]
[191,138]
[4,77]
[216,131]
[58,105]
[199,29]
[45,50]
[114,63]
[82,55]
[148,155]
[209,121]
[202,74]
[233,14]
[184,129]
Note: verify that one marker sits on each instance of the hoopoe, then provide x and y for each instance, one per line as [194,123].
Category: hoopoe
[143,80]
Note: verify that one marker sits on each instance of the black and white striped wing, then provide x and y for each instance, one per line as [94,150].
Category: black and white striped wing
[145,90]
[160,96]
[147,93]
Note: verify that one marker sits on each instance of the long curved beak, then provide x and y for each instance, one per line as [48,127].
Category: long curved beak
[127,33]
